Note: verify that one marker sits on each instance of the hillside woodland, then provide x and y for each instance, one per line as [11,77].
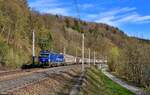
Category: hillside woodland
[128,56]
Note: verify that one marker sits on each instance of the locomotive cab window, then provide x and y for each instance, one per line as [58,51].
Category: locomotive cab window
[44,55]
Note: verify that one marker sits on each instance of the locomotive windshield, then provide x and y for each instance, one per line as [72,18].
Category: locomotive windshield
[44,55]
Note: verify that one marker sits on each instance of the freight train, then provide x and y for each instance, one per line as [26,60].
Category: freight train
[47,58]
[50,59]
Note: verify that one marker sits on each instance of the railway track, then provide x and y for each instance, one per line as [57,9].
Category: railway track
[8,72]
[8,86]
[16,73]
[5,73]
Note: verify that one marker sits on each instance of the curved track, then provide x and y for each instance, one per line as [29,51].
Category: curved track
[7,86]
[3,73]
[16,73]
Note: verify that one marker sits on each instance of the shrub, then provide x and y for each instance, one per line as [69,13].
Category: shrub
[3,52]
[113,58]
[133,63]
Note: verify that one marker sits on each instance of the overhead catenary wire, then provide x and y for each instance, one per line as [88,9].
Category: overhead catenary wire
[78,17]
[77,9]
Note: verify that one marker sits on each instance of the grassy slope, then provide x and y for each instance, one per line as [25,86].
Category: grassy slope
[98,84]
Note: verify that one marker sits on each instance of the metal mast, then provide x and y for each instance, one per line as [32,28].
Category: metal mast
[94,57]
[33,47]
[78,16]
[89,57]
[82,51]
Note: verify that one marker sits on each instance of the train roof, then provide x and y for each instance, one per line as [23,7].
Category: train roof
[48,52]
[44,51]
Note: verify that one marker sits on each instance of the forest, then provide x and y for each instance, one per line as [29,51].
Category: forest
[128,57]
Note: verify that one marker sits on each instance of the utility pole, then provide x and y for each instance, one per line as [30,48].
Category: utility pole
[89,57]
[94,57]
[76,55]
[64,53]
[52,49]
[64,50]
[82,52]
[33,47]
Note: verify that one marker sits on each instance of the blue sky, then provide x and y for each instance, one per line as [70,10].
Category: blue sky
[131,16]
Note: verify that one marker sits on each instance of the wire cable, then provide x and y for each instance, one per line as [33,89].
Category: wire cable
[77,9]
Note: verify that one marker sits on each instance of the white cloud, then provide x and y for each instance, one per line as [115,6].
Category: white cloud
[115,16]
[91,16]
[120,16]
[50,6]
[60,11]
[117,11]
[107,19]
[43,3]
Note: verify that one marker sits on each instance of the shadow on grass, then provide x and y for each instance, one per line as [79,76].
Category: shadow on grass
[94,84]
[98,84]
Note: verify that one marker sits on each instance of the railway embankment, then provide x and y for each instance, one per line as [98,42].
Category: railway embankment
[97,83]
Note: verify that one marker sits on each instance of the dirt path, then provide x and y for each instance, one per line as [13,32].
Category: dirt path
[131,88]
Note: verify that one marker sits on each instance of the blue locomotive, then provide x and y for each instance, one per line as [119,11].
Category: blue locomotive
[50,58]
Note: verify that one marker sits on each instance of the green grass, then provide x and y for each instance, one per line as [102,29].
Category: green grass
[98,84]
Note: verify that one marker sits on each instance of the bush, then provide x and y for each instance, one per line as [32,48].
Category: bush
[113,58]
[3,52]
[133,64]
